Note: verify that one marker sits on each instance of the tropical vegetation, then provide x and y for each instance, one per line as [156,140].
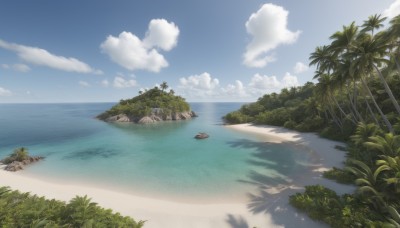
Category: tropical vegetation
[147,101]
[25,210]
[19,154]
[356,100]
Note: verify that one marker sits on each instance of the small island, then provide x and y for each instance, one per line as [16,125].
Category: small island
[150,106]
[18,159]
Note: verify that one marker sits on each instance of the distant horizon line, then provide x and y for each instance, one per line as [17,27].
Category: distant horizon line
[99,102]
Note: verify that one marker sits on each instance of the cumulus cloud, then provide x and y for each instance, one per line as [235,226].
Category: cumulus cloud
[289,81]
[5,92]
[84,84]
[300,68]
[268,28]
[393,10]
[161,34]
[264,82]
[235,90]
[199,86]
[120,82]
[41,57]
[203,81]
[130,52]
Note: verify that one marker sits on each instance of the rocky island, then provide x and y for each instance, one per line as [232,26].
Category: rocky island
[18,159]
[150,106]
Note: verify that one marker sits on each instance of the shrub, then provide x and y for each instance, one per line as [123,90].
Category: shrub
[340,176]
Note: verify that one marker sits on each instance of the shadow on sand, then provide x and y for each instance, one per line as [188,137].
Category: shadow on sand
[278,172]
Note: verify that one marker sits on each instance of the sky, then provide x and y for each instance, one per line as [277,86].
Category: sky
[206,50]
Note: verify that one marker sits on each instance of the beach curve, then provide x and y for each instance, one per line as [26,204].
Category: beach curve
[267,208]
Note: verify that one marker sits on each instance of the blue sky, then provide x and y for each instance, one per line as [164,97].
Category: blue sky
[95,51]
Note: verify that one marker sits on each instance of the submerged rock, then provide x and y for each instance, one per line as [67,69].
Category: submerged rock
[201,135]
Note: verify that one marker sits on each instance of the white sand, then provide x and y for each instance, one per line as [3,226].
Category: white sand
[267,208]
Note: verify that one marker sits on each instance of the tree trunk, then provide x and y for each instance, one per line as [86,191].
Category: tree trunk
[385,119]
[388,90]
[370,111]
[340,108]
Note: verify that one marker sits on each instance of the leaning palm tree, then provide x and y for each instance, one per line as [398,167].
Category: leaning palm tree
[370,53]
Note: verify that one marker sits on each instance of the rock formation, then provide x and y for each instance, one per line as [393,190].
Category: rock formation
[19,165]
[154,117]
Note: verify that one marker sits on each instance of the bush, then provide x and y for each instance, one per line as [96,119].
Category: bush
[323,204]
[19,154]
[237,118]
[340,176]
[24,210]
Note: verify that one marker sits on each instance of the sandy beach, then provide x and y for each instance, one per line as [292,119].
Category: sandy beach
[268,207]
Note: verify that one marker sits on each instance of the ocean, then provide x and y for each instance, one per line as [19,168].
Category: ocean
[160,160]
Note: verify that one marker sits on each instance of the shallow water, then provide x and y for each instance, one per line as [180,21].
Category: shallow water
[160,160]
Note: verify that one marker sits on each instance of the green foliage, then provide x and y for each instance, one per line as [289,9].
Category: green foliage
[165,102]
[237,118]
[340,176]
[19,154]
[25,210]
[323,204]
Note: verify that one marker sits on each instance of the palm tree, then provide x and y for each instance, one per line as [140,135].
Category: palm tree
[391,165]
[80,210]
[369,54]
[367,180]
[164,86]
[388,145]
[373,22]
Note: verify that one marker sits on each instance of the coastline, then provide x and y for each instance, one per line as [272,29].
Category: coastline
[267,208]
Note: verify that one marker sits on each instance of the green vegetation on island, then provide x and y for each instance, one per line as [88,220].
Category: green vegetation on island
[150,106]
[26,210]
[18,159]
[356,100]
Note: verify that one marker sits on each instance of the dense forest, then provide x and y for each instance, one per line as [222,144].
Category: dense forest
[356,100]
[143,104]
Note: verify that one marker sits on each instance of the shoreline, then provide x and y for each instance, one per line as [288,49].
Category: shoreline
[268,207]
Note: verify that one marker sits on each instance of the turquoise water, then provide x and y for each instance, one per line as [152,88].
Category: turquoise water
[161,160]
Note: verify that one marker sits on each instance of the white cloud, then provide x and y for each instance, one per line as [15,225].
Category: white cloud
[104,83]
[199,86]
[268,27]
[393,10]
[42,57]
[21,67]
[130,52]
[289,81]
[204,86]
[202,82]
[300,68]
[120,82]
[84,84]
[161,34]
[5,92]
[18,67]
[264,82]
[236,90]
